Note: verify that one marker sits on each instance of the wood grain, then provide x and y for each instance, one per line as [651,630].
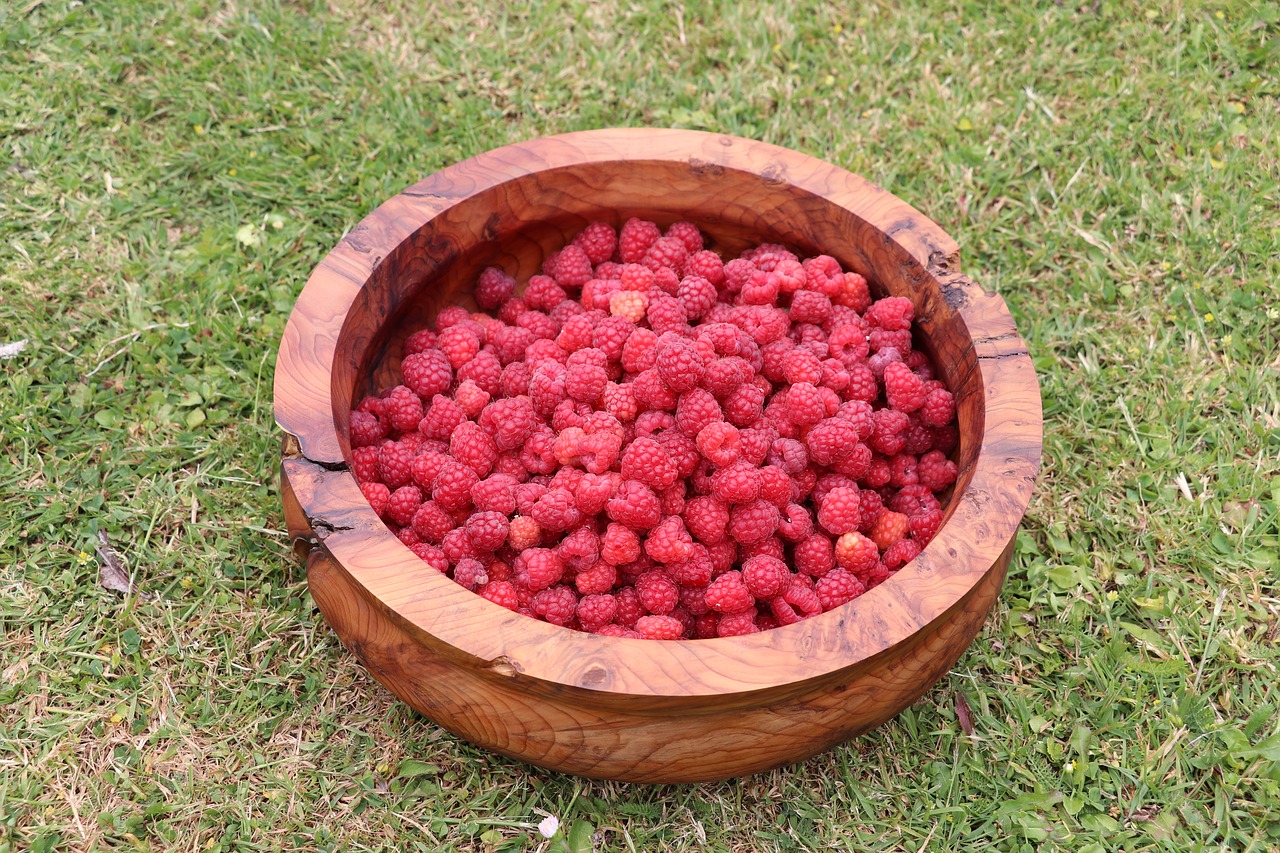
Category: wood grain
[628,709]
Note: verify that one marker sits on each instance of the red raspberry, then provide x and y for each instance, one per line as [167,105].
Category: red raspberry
[814,555]
[501,593]
[523,533]
[432,523]
[831,439]
[862,384]
[770,546]
[441,418]
[696,571]
[637,278]
[696,409]
[597,580]
[841,510]
[419,341]
[775,486]
[856,553]
[761,289]
[882,358]
[797,601]
[538,568]
[474,447]
[744,405]
[925,525]
[471,398]
[452,315]
[890,424]
[838,587]
[610,336]
[666,314]
[556,605]
[629,607]
[620,401]
[719,442]
[403,503]
[903,388]
[853,293]
[619,545]
[596,611]
[640,352]
[636,237]
[673,499]
[900,553]
[707,518]
[395,464]
[883,339]
[804,404]
[377,495]
[756,443]
[753,521]
[470,573]
[598,240]
[645,461]
[706,264]
[737,624]
[366,430]
[765,576]
[902,470]
[800,365]
[452,487]
[729,594]
[796,523]
[635,505]
[660,628]
[406,536]
[494,287]
[651,392]
[889,528]
[495,494]
[598,452]
[542,293]
[669,542]
[918,438]
[428,372]
[669,252]
[556,510]
[738,483]
[939,408]
[459,344]
[657,591]
[573,267]
[586,375]
[576,332]
[488,530]
[697,295]
[511,421]
[810,307]
[789,455]
[510,344]
[426,467]
[688,234]
[935,471]
[893,313]
[364,464]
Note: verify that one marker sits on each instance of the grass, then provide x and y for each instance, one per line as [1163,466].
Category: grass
[171,171]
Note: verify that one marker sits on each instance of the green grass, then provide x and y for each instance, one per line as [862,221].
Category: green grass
[171,171]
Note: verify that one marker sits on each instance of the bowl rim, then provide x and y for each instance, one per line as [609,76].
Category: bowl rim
[457,623]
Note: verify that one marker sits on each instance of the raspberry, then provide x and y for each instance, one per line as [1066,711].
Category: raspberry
[697,295]
[900,553]
[853,293]
[764,577]
[761,289]
[428,372]
[688,234]
[598,452]
[796,523]
[841,510]
[495,494]
[403,503]
[635,505]
[882,358]
[573,267]
[596,611]
[729,594]
[488,530]
[395,464]
[452,487]
[872,507]
[660,627]
[557,605]
[935,471]
[831,439]
[364,464]
[366,430]
[542,293]
[493,288]
[804,404]
[657,591]
[452,315]
[419,341]
[511,421]
[938,409]
[775,486]
[902,470]
[431,522]
[597,580]
[862,384]
[707,518]
[523,533]
[838,587]
[673,499]
[925,525]
[474,447]
[645,461]
[538,568]
[814,555]
[597,240]
[635,238]
[890,424]
[893,313]
[737,624]
[889,528]
[669,542]
[903,388]
[810,307]
[753,521]
[471,398]
[459,345]
[719,442]
[669,252]
[619,545]
[576,333]
[629,607]
[738,483]
[470,573]
[640,352]
[586,375]
[556,510]
[857,554]
[696,409]
[770,546]
[666,314]
[744,405]
[501,593]
[796,602]
[694,572]
[377,495]
[789,455]
[651,392]
[441,418]
[883,339]
[798,365]
[705,264]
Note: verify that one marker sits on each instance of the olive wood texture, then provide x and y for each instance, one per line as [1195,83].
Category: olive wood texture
[607,707]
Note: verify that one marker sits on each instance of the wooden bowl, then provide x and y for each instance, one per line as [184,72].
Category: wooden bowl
[643,710]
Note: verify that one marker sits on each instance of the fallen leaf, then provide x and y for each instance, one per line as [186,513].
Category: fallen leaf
[1145,813]
[964,715]
[111,574]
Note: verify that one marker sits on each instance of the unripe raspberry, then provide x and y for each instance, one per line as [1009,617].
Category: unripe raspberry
[523,533]
[889,528]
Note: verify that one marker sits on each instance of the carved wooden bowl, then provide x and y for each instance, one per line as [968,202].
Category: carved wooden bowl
[613,708]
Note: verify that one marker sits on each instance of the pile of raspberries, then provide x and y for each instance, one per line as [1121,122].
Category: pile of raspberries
[648,441]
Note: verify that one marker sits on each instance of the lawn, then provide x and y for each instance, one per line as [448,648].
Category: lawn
[170,172]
